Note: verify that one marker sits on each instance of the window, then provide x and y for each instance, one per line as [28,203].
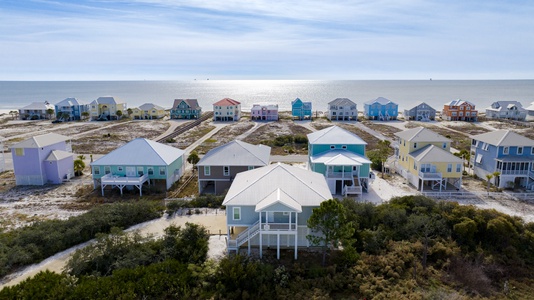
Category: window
[506,150]
[140,171]
[444,146]
[344,147]
[485,146]
[150,171]
[97,170]
[415,145]
[458,168]
[236,213]
[286,213]
[449,168]
[207,170]
[161,170]
[414,166]
[474,143]
[332,147]
[226,171]
[519,150]
[251,167]
[120,168]
[461,108]
[107,169]
[19,151]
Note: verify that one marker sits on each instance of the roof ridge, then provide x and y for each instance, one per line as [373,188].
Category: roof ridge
[305,183]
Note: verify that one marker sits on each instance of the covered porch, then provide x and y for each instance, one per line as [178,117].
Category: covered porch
[123,181]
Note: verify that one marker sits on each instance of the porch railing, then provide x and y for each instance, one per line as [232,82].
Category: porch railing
[513,172]
[351,190]
[430,175]
[349,174]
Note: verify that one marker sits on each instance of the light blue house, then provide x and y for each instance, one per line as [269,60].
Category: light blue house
[340,156]
[381,109]
[270,207]
[301,110]
[136,163]
[506,152]
[70,109]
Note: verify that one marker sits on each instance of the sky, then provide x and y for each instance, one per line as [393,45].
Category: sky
[266,39]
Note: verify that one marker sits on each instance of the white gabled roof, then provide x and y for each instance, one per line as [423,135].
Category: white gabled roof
[306,187]
[149,106]
[342,101]
[107,100]
[41,141]
[504,138]
[530,107]
[334,135]
[68,102]
[57,155]
[433,154]
[237,153]
[140,152]
[421,134]
[38,106]
[278,196]
[504,105]
[340,158]
[459,102]
[381,100]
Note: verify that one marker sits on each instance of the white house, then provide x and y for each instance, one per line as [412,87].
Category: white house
[342,109]
[226,110]
[36,111]
[512,110]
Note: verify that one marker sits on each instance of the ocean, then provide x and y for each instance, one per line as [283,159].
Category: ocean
[16,94]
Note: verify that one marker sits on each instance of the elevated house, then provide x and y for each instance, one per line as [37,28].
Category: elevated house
[339,155]
[424,159]
[106,108]
[43,159]
[218,168]
[505,152]
[264,112]
[226,110]
[138,162]
[380,109]
[420,112]
[530,112]
[269,207]
[512,110]
[342,109]
[36,111]
[186,109]
[459,110]
[301,110]
[70,109]
[148,111]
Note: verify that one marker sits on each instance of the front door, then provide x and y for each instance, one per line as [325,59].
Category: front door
[130,172]
[339,187]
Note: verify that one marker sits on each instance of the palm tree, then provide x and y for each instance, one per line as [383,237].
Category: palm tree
[85,115]
[496,175]
[130,111]
[50,113]
[489,177]
[79,166]
[119,114]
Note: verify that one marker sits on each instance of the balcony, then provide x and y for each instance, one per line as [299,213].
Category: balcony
[430,175]
[110,179]
[513,172]
[341,175]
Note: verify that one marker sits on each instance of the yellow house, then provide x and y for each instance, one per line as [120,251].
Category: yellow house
[148,111]
[424,159]
[106,108]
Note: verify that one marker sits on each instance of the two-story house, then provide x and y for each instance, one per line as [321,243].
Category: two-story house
[420,112]
[226,110]
[264,112]
[186,109]
[70,109]
[43,159]
[512,110]
[36,111]
[459,110]
[270,207]
[381,109]
[342,109]
[506,152]
[138,162]
[301,110]
[424,159]
[340,156]
[148,111]
[106,108]
[218,168]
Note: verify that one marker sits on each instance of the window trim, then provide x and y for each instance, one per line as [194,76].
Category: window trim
[226,170]
[107,169]
[207,171]
[162,171]
[449,168]
[19,151]
[506,150]
[519,152]
[238,210]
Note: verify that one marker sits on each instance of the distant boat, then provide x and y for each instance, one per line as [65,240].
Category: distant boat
[430,79]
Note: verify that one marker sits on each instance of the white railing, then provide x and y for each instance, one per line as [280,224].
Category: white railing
[279,227]
[114,179]
[352,190]
[513,172]
[531,174]
[349,174]
[429,175]
[246,235]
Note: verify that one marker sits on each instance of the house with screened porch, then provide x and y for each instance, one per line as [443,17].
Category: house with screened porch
[269,207]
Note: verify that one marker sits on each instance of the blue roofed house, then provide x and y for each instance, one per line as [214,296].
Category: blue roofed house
[138,162]
[70,109]
[340,156]
[506,152]
[186,109]
[270,207]
[381,109]
[342,109]
[301,110]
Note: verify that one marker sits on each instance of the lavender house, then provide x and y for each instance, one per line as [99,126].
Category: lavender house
[43,159]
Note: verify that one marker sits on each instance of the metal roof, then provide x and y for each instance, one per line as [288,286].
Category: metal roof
[306,187]
[341,101]
[68,102]
[381,100]
[278,196]
[107,100]
[41,141]
[504,138]
[192,103]
[334,135]
[340,158]
[421,134]
[458,102]
[226,102]
[57,155]
[434,154]
[140,152]
[237,153]
[149,106]
[505,105]
[39,106]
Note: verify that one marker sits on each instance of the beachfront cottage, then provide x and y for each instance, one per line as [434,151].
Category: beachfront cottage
[342,109]
[380,109]
[512,110]
[340,156]
[226,110]
[43,159]
[506,152]
[423,157]
[264,112]
[148,111]
[270,207]
[70,109]
[420,112]
[138,162]
[186,109]
[218,168]
[106,108]
[459,110]
[530,112]
[37,111]
[301,110]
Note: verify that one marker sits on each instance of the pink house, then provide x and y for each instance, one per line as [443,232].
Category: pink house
[264,112]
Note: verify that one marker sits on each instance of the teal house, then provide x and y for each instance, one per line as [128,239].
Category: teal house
[138,163]
[340,156]
[301,110]
[186,109]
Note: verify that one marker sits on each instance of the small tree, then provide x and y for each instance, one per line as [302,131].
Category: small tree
[330,224]
[130,111]
[119,114]
[50,113]
[489,177]
[79,166]
[13,113]
[193,159]
[85,115]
